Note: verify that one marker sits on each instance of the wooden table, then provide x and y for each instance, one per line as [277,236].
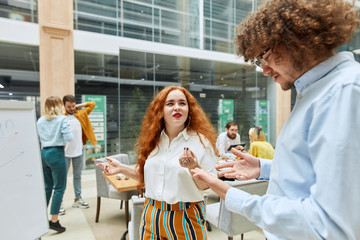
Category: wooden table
[121,185]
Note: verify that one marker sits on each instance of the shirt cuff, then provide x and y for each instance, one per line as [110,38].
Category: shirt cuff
[265,168]
[234,199]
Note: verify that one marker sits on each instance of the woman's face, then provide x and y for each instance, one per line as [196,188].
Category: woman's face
[176,109]
[251,138]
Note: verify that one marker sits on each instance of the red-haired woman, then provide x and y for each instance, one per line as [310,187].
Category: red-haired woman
[176,136]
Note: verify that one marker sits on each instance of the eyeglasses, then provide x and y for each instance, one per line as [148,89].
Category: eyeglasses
[259,60]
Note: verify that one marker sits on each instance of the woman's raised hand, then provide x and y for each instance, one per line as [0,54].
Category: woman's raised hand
[111,167]
[188,159]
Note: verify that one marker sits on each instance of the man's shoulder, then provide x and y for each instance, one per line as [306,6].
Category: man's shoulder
[90,105]
[222,136]
[80,113]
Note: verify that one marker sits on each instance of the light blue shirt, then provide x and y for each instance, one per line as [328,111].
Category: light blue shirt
[314,188]
[54,132]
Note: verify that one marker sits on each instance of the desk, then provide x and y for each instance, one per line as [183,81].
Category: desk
[121,185]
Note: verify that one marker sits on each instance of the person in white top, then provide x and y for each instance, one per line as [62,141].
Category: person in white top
[228,138]
[176,136]
[82,130]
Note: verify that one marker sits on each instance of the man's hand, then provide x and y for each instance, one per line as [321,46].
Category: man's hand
[211,181]
[245,168]
[80,105]
[201,174]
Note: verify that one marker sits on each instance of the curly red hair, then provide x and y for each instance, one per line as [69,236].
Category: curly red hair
[152,125]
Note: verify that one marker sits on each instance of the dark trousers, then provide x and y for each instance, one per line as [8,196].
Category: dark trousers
[55,171]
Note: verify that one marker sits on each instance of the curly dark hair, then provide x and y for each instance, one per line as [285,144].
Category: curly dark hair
[307,28]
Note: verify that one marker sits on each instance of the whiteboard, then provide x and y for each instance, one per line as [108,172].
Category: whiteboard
[23,210]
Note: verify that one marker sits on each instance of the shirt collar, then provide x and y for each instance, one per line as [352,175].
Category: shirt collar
[321,70]
[183,133]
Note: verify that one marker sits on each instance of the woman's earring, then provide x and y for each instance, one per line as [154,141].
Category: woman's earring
[189,121]
[161,125]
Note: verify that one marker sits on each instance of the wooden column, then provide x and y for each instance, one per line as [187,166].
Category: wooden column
[283,107]
[56,48]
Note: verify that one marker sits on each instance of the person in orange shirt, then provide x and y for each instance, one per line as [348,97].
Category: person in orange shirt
[78,117]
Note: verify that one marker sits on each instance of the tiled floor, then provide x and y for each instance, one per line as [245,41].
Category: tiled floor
[80,223]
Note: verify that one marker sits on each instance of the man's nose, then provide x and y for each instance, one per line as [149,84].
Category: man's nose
[266,70]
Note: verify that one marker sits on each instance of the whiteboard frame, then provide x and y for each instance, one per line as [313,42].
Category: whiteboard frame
[26,105]
[8,105]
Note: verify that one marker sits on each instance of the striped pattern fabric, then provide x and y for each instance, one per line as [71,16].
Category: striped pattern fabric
[179,221]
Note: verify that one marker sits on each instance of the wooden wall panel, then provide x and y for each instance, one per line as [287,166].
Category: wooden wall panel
[56,48]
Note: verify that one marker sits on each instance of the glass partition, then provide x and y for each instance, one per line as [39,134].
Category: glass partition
[129,82]
[130,79]
[21,10]
[19,73]
[172,22]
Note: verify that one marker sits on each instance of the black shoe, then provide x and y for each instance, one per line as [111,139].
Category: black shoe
[56,226]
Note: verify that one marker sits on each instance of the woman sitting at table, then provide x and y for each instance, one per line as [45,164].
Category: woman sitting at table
[258,145]
[176,136]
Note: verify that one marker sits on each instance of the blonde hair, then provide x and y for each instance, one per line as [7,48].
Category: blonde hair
[257,134]
[53,107]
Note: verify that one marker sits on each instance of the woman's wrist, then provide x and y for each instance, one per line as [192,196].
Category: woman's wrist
[196,165]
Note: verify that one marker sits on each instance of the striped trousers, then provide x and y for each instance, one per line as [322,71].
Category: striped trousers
[179,221]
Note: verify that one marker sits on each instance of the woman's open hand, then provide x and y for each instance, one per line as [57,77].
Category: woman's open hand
[111,167]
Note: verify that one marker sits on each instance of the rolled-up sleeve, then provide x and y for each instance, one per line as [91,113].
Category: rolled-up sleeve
[66,131]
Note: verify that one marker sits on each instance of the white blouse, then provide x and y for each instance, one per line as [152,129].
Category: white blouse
[165,180]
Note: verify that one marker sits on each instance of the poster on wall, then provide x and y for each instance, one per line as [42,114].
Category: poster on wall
[98,121]
[225,112]
[262,116]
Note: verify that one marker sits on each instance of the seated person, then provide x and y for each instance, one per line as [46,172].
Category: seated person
[258,145]
[228,138]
